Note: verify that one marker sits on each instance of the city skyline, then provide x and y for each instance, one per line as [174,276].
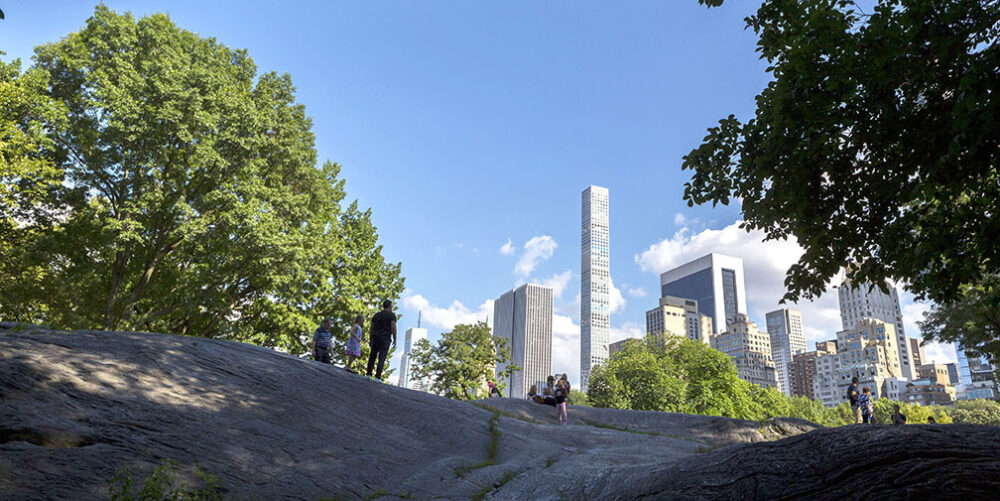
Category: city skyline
[419,144]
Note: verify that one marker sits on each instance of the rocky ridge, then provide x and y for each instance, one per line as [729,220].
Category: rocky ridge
[75,407]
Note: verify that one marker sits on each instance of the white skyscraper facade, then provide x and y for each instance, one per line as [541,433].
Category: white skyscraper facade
[413,334]
[868,301]
[595,281]
[523,317]
[787,339]
[715,281]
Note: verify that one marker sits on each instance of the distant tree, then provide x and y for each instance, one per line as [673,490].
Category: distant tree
[678,375]
[577,397]
[973,320]
[980,411]
[30,183]
[915,413]
[462,361]
[196,205]
[876,143]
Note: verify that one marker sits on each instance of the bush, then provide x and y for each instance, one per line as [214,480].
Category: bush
[162,485]
[977,412]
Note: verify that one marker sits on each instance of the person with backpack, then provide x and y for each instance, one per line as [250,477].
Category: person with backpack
[383,331]
[321,342]
[865,402]
[494,390]
[852,397]
[561,394]
[353,347]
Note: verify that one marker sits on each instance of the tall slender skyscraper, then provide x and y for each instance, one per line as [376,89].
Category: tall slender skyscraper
[523,317]
[413,334]
[787,340]
[595,281]
[861,301]
[715,281]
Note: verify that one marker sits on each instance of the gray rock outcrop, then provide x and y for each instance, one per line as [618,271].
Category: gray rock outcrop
[75,407]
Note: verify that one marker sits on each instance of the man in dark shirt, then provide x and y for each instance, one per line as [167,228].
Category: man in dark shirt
[383,329]
[852,396]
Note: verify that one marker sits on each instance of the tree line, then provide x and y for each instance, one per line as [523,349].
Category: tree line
[155,180]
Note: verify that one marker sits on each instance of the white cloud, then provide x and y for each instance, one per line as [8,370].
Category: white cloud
[679,219]
[565,347]
[764,265]
[913,312]
[627,330]
[558,282]
[637,292]
[536,250]
[616,299]
[447,318]
[507,249]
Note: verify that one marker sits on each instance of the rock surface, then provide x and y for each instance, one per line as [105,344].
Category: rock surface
[75,407]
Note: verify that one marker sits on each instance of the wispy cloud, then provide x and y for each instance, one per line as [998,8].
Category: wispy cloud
[536,250]
[558,282]
[637,292]
[507,249]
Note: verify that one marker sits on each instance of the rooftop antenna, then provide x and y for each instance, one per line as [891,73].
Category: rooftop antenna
[419,314]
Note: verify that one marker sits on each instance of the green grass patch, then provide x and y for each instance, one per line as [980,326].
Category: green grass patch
[491,451]
[505,413]
[507,477]
[626,429]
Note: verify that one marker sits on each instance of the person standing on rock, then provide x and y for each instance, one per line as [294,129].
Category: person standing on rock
[382,332]
[321,342]
[561,393]
[353,348]
[852,396]
[865,402]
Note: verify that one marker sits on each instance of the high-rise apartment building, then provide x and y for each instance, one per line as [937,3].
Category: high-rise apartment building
[936,373]
[802,370]
[750,349]
[862,300]
[917,352]
[867,352]
[595,281]
[953,374]
[787,339]
[679,317]
[413,334]
[523,317]
[715,281]
[975,375]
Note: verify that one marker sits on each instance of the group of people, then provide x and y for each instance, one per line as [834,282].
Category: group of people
[864,407]
[383,336]
[555,393]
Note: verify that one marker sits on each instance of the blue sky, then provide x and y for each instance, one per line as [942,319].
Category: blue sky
[468,125]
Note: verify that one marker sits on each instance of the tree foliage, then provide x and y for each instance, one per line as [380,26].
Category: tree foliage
[462,361]
[704,381]
[973,320]
[980,411]
[876,143]
[194,202]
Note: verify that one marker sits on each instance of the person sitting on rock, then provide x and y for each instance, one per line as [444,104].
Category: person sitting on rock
[353,347]
[549,393]
[321,342]
[532,391]
[897,417]
[931,420]
[865,403]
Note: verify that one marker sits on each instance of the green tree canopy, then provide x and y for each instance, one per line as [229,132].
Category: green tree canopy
[876,143]
[196,205]
[462,361]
